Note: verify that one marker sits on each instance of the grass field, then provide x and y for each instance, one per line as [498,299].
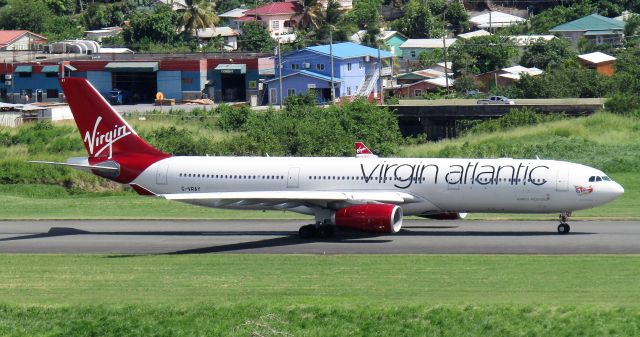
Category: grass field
[363,295]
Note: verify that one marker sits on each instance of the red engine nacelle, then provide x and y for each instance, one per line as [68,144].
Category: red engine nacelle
[445,216]
[376,218]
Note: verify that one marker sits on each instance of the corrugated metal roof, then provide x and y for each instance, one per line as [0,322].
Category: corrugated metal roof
[346,50]
[234,13]
[23,69]
[428,43]
[495,19]
[475,33]
[590,22]
[134,67]
[232,68]
[274,8]
[310,74]
[596,57]
[50,69]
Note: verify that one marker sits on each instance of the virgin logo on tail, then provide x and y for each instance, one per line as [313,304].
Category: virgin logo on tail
[102,141]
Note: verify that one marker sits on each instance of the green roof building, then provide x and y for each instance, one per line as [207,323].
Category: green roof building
[596,28]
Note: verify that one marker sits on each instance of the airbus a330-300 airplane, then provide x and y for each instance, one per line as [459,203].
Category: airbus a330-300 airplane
[364,193]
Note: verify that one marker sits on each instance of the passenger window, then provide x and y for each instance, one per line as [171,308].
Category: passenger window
[592,179]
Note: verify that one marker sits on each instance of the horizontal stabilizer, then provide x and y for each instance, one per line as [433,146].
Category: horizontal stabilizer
[79,166]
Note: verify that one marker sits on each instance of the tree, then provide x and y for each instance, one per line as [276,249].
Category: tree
[465,82]
[482,54]
[543,54]
[541,23]
[311,14]
[457,17]
[198,14]
[256,38]
[63,28]
[418,21]
[32,15]
[228,5]
[632,29]
[157,26]
[429,58]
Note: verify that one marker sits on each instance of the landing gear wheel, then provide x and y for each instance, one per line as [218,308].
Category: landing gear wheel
[325,231]
[307,231]
[564,228]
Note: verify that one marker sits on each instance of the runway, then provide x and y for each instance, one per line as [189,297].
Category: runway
[280,236]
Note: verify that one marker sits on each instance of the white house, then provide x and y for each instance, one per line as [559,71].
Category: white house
[493,19]
[412,48]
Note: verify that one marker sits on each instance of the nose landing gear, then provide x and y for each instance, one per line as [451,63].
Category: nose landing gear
[563,227]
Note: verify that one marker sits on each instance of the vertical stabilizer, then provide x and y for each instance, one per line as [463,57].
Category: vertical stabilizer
[105,134]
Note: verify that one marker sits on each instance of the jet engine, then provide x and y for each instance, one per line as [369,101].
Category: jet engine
[444,216]
[374,218]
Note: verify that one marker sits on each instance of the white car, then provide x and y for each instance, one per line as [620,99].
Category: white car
[496,100]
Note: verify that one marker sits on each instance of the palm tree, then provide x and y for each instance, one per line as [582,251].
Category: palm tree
[199,14]
[311,14]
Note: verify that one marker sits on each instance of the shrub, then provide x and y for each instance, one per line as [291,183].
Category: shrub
[512,119]
[232,118]
[623,103]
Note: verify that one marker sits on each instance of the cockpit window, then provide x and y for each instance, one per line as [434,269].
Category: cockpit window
[592,179]
[598,179]
[605,178]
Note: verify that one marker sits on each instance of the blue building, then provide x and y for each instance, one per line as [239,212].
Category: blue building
[355,72]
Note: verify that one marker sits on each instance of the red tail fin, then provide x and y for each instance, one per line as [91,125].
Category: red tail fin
[104,132]
[107,136]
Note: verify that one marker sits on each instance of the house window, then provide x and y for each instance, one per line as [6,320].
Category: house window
[418,93]
[348,91]
[320,66]
[275,24]
[52,93]
[295,66]
[348,66]
[413,54]
[291,92]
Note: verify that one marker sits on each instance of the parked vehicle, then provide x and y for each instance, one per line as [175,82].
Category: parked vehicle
[117,96]
[496,100]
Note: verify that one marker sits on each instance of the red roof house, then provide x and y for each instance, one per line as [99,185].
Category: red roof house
[20,40]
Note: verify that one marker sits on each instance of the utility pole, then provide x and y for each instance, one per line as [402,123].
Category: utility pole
[333,89]
[380,94]
[444,47]
[280,73]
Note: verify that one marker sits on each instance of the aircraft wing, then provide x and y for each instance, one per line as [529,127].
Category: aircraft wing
[290,199]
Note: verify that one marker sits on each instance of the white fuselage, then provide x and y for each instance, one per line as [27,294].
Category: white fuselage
[438,185]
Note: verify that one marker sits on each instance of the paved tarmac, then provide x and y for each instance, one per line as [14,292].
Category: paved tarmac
[271,236]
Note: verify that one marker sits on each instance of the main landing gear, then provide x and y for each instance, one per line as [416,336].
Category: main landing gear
[563,227]
[316,230]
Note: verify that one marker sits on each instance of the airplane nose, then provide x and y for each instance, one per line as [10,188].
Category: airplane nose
[618,190]
[613,191]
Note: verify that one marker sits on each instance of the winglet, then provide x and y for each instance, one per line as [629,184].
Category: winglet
[363,151]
